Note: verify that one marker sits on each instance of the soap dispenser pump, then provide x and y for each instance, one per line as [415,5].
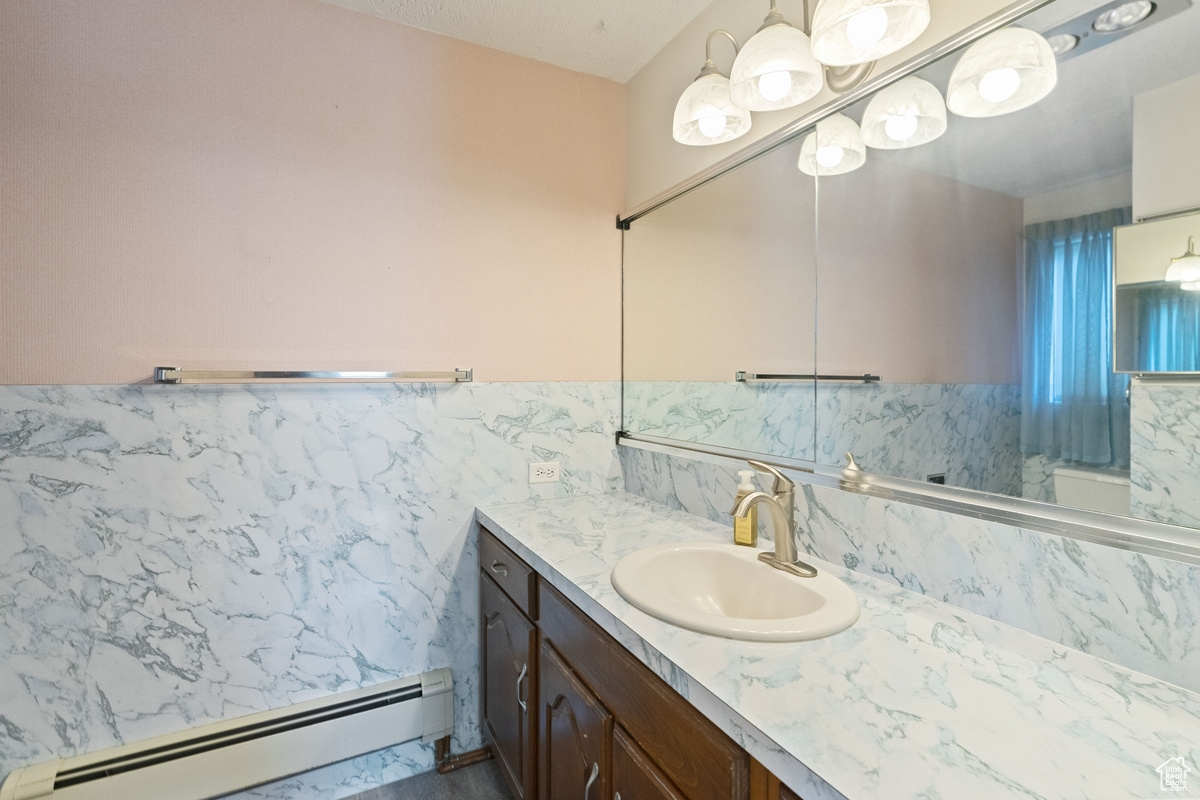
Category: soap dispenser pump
[745,529]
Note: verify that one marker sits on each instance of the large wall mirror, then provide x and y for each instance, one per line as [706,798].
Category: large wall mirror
[967,281]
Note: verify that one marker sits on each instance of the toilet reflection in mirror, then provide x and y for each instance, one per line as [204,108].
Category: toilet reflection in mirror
[974,272]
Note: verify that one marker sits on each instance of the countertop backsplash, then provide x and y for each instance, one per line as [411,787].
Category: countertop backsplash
[1135,610]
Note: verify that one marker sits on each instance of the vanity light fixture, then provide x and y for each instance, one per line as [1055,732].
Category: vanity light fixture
[835,148]
[1003,72]
[1185,269]
[849,32]
[1123,17]
[775,69]
[705,114]
[908,113]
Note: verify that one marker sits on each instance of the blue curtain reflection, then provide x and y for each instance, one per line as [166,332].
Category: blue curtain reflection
[1168,329]
[1072,403]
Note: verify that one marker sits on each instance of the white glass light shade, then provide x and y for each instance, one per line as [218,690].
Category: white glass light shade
[706,115]
[1003,72]
[907,113]
[848,32]
[835,148]
[1185,268]
[775,70]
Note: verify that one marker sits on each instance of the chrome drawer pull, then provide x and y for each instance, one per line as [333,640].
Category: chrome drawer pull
[591,779]
[500,569]
[521,677]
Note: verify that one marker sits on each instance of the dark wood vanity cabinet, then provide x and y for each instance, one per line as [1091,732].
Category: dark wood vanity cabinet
[635,777]
[572,715]
[576,733]
[508,643]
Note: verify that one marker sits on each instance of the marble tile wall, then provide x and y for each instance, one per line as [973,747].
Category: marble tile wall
[969,432]
[1037,478]
[174,555]
[763,417]
[1135,610]
[1165,452]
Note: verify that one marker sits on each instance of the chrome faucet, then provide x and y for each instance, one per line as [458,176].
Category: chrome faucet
[782,507]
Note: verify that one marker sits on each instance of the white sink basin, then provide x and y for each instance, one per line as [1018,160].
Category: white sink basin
[725,590]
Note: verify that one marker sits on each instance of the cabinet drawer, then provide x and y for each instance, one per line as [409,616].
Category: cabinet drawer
[701,761]
[509,572]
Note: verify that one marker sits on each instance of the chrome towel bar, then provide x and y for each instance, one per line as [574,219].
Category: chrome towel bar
[746,377]
[176,375]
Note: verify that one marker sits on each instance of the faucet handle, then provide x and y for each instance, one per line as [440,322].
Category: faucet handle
[782,482]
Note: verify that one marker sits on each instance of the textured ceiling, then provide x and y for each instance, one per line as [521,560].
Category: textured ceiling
[609,38]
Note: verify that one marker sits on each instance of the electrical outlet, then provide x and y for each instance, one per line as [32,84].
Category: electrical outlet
[545,472]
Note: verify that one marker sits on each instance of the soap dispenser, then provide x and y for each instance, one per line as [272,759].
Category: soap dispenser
[745,529]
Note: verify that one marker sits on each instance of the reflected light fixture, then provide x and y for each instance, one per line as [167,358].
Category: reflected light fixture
[1003,72]
[1063,43]
[705,114]
[1185,269]
[835,148]
[849,32]
[908,113]
[775,69]
[1123,17]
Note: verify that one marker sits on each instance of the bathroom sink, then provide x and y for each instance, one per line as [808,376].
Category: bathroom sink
[723,589]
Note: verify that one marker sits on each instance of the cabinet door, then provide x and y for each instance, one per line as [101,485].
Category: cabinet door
[508,644]
[634,775]
[575,735]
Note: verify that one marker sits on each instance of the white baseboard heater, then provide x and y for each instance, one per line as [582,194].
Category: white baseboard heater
[224,757]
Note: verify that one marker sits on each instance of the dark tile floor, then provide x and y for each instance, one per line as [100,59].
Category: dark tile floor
[476,782]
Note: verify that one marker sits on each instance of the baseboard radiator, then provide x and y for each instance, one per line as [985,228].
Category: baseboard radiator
[224,757]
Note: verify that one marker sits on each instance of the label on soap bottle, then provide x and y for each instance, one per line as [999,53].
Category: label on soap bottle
[744,530]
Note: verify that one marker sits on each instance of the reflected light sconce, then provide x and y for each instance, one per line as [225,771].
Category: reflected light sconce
[1123,17]
[1185,269]
[849,32]
[775,69]
[908,113]
[1063,43]
[835,148]
[705,114]
[1003,72]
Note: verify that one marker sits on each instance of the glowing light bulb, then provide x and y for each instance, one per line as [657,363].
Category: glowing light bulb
[712,125]
[901,127]
[830,156]
[774,85]
[999,84]
[867,27]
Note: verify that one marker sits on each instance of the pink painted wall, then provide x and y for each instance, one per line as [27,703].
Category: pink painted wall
[914,275]
[283,184]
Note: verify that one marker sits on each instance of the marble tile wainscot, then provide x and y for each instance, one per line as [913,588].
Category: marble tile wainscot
[1138,611]
[919,699]
[1165,452]
[174,555]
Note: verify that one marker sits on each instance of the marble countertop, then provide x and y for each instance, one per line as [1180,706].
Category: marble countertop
[919,699]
